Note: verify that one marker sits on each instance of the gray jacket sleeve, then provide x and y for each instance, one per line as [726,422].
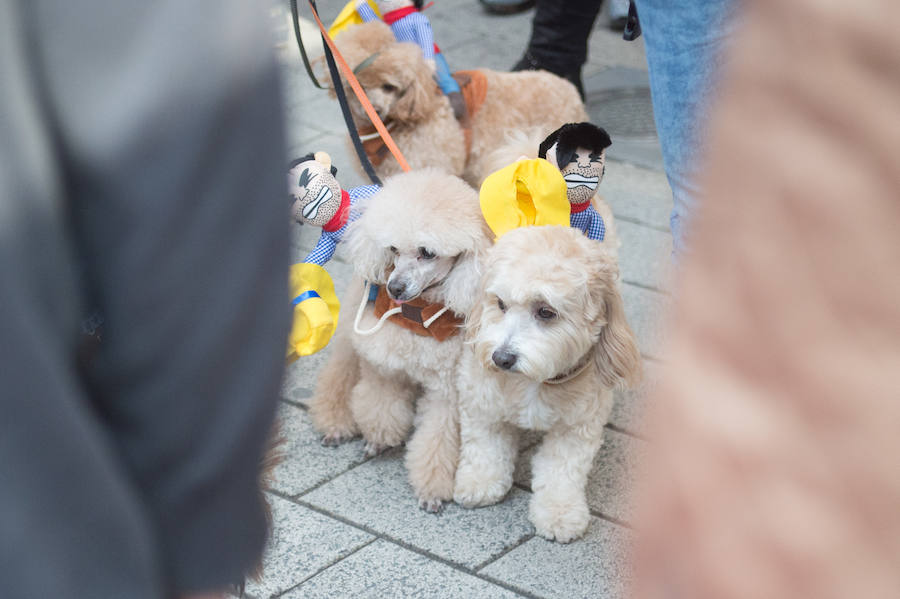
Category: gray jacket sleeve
[154,194]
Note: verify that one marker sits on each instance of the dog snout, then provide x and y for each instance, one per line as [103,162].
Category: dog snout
[397,289]
[504,359]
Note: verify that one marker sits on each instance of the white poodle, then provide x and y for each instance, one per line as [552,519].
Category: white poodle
[546,345]
[419,238]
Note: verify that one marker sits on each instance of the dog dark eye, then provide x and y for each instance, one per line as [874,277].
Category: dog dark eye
[393,249]
[545,313]
[501,305]
[388,88]
[426,253]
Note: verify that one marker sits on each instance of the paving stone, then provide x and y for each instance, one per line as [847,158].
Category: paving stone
[616,77]
[610,478]
[306,463]
[637,193]
[303,542]
[594,567]
[385,570]
[607,49]
[645,310]
[629,411]
[459,23]
[644,257]
[377,495]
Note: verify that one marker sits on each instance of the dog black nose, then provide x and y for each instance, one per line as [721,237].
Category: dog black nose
[396,288]
[504,359]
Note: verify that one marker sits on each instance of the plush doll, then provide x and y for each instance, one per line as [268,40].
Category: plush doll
[410,25]
[317,199]
[579,151]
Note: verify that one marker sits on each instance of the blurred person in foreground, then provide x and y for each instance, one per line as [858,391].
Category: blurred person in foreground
[776,434]
[137,143]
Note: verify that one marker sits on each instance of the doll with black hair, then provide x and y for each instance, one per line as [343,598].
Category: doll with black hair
[578,150]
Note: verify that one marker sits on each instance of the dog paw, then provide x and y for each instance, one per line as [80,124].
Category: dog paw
[558,521]
[335,438]
[470,491]
[432,506]
[373,449]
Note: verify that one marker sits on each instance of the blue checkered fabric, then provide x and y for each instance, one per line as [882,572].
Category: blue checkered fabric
[413,28]
[328,240]
[590,222]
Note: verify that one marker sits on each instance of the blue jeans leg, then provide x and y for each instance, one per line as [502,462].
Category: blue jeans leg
[684,42]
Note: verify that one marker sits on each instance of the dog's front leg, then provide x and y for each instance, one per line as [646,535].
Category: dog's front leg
[487,453]
[382,407]
[329,408]
[559,509]
[433,450]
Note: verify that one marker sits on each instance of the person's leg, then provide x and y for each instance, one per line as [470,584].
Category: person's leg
[684,48]
[559,35]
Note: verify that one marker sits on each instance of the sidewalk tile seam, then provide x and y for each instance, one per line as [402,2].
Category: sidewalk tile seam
[494,558]
[626,431]
[640,285]
[292,403]
[317,572]
[640,222]
[313,488]
[408,546]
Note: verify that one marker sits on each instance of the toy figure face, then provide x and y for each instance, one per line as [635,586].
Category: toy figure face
[389,5]
[316,193]
[582,173]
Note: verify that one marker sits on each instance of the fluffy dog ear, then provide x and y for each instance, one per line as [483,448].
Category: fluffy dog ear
[421,95]
[369,259]
[474,317]
[462,285]
[617,352]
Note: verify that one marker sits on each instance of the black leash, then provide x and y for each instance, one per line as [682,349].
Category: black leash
[338,89]
[296,21]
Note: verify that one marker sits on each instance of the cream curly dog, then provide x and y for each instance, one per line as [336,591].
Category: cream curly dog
[546,345]
[419,237]
[399,83]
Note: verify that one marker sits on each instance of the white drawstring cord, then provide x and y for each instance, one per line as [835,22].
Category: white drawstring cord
[385,316]
[362,306]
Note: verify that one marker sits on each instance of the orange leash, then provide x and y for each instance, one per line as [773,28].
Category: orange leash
[360,94]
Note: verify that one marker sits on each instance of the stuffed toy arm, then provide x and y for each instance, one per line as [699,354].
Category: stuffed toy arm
[590,222]
[324,249]
[424,35]
[365,11]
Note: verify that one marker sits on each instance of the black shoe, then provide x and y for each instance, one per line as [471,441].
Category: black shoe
[529,63]
[506,7]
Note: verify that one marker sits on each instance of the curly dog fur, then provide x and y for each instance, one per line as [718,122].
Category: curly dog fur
[399,83]
[387,383]
[549,304]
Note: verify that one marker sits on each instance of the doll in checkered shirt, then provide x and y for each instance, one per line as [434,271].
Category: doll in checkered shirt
[317,199]
[579,151]
[409,25]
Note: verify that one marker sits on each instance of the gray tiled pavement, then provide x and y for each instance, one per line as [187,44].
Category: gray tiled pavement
[347,525]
